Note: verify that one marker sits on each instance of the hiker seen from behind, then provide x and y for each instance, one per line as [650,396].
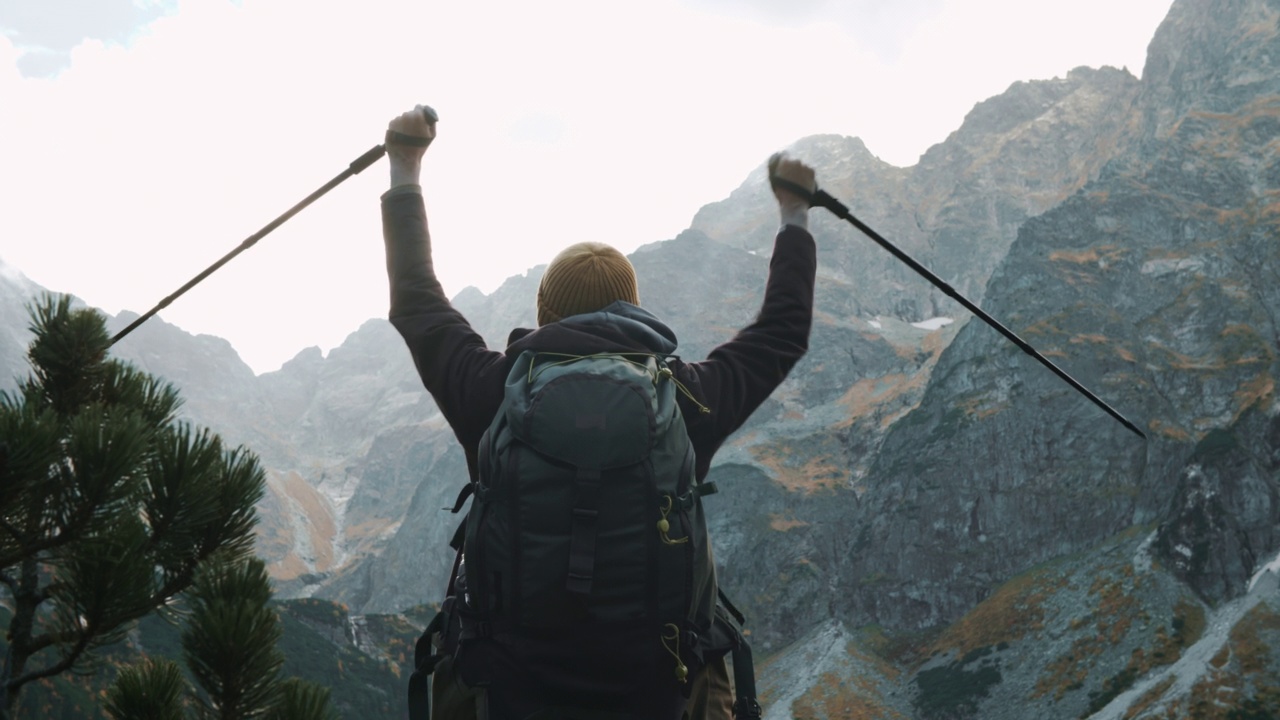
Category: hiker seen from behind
[584,585]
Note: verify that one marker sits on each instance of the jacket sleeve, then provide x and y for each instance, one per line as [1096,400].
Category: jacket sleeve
[740,374]
[464,376]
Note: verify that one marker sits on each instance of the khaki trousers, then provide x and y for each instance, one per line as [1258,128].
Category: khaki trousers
[712,696]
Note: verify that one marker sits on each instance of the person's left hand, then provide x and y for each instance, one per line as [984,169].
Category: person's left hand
[419,123]
[405,160]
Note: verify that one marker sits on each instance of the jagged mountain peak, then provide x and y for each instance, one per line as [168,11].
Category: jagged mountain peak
[1027,100]
[306,358]
[15,284]
[1214,55]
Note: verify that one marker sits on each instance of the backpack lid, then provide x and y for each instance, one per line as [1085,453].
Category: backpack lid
[597,411]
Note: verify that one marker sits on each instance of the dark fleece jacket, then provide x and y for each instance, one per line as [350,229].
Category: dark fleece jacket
[467,379]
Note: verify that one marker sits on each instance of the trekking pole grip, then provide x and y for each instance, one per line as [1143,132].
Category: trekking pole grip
[816,198]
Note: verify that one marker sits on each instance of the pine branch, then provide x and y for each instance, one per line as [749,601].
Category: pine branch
[74,528]
[47,640]
[67,662]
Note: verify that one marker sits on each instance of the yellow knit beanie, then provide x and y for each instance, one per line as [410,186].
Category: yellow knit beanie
[584,278]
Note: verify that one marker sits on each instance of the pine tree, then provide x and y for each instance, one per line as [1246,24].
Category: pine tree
[108,504]
[229,645]
[230,642]
[152,690]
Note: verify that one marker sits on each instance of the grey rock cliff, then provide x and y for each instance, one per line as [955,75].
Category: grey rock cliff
[1155,285]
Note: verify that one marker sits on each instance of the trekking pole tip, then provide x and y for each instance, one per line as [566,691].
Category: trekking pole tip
[1135,430]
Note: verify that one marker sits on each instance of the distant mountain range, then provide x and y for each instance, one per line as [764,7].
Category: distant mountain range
[922,522]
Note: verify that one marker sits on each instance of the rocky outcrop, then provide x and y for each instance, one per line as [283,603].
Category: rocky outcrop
[1225,514]
[1154,285]
[15,292]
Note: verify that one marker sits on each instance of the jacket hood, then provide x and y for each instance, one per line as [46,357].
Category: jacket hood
[619,327]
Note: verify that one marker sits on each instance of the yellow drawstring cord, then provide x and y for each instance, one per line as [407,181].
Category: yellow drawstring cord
[682,672]
[665,372]
[664,525]
[566,358]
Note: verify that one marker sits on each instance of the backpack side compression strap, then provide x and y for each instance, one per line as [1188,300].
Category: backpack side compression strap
[424,664]
[746,707]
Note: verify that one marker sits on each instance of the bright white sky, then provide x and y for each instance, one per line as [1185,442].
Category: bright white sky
[143,139]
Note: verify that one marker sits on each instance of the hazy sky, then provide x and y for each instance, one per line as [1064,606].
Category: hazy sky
[143,139]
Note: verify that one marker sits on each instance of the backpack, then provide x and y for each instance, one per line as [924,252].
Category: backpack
[585,552]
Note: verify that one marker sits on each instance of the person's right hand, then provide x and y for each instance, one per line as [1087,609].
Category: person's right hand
[793,208]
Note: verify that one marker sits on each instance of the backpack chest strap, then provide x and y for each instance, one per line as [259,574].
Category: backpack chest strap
[585,527]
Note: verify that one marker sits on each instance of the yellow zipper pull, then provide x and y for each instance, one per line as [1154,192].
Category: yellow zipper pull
[682,672]
[664,526]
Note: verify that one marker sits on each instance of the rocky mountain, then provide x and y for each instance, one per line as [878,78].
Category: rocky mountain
[15,290]
[1156,284]
[922,522]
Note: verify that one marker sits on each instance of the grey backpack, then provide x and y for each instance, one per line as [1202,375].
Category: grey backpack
[585,552]
[587,517]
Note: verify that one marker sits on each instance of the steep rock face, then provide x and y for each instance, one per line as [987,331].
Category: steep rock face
[333,409]
[958,210]
[829,673]
[15,292]
[1015,156]
[1212,56]
[512,305]
[1226,509]
[413,560]
[1155,285]
[218,390]
[296,531]
[1107,633]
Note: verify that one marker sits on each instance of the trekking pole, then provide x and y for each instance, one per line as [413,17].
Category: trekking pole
[356,166]
[818,198]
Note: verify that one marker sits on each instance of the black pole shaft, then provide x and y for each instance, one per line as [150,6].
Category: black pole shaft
[354,168]
[819,198]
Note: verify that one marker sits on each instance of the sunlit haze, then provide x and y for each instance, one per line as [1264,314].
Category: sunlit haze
[139,147]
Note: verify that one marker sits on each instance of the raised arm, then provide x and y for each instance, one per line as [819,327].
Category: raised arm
[455,365]
[740,374]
